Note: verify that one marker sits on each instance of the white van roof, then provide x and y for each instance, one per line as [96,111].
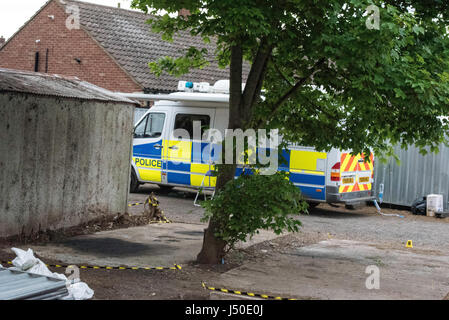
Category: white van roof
[220,98]
[190,94]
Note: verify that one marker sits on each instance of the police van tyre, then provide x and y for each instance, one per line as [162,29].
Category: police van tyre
[354,206]
[134,187]
[165,188]
[312,204]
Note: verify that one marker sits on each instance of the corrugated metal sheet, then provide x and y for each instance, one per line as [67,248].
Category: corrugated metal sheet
[19,285]
[415,177]
[54,85]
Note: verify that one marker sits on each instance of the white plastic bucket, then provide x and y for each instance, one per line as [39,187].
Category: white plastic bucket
[434,204]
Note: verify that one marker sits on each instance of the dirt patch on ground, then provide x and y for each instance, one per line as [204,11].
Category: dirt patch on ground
[185,284]
[102,223]
[263,250]
[151,213]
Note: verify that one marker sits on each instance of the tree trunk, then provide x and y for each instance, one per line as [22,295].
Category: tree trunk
[214,248]
[240,113]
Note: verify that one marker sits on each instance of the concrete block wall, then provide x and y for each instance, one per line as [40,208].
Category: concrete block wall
[62,161]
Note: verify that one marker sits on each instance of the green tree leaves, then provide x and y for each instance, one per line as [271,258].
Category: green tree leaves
[376,86]
[328,80]
[253,202]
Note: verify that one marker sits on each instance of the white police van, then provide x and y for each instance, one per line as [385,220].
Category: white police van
[162,158]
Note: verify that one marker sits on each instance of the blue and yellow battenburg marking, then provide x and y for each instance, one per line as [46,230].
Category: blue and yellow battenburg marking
[184,162]
[304,172]
[149,169]
[187,163]
[148,163]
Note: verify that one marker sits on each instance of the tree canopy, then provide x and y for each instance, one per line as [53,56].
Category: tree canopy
[329,80]
[330,76]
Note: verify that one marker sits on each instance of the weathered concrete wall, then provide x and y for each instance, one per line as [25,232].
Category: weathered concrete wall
[62,161]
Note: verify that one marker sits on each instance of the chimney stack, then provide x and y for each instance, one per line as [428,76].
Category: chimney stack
[2,41]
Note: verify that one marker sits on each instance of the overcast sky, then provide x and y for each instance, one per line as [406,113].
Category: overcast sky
[14,13]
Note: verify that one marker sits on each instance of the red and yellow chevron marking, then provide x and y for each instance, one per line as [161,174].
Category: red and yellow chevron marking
[366,166]
[351,163]
[355,187]
[348,162]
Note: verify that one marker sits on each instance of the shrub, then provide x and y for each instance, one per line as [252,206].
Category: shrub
[253,202]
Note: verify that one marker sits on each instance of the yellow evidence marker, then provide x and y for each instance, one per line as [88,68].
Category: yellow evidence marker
[409,244]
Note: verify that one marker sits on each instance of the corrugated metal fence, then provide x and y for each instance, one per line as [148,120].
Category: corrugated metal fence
[415,177]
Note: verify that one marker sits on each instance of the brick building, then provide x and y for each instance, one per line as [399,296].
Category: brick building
[109,47]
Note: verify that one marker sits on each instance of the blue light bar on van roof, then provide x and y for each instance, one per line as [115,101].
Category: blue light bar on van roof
[189,85]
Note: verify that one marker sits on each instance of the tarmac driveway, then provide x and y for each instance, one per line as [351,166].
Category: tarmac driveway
[336,269]
[326,260]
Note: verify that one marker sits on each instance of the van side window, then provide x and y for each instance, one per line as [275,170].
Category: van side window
[151,126]
[185,121]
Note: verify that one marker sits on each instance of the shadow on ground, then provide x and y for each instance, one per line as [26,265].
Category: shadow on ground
[191,233]
[335,212]
[111,247]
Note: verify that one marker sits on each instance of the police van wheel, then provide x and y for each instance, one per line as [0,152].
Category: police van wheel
[165,188]
[354,206]
[312,204]
[134,187]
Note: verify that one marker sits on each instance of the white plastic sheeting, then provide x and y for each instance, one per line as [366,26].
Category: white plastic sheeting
[26,261]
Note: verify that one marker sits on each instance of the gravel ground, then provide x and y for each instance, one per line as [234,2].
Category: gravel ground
[325,221]
[363,224]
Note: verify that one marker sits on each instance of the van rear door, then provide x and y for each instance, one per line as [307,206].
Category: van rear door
[356,173]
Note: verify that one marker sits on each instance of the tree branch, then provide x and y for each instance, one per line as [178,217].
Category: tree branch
[235,87]
[280,73]
[295,88]
[255,79]
[325,112]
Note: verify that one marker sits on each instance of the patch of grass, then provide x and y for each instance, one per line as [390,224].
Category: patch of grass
[377,261]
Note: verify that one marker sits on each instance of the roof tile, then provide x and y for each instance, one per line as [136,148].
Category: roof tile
[126,36]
